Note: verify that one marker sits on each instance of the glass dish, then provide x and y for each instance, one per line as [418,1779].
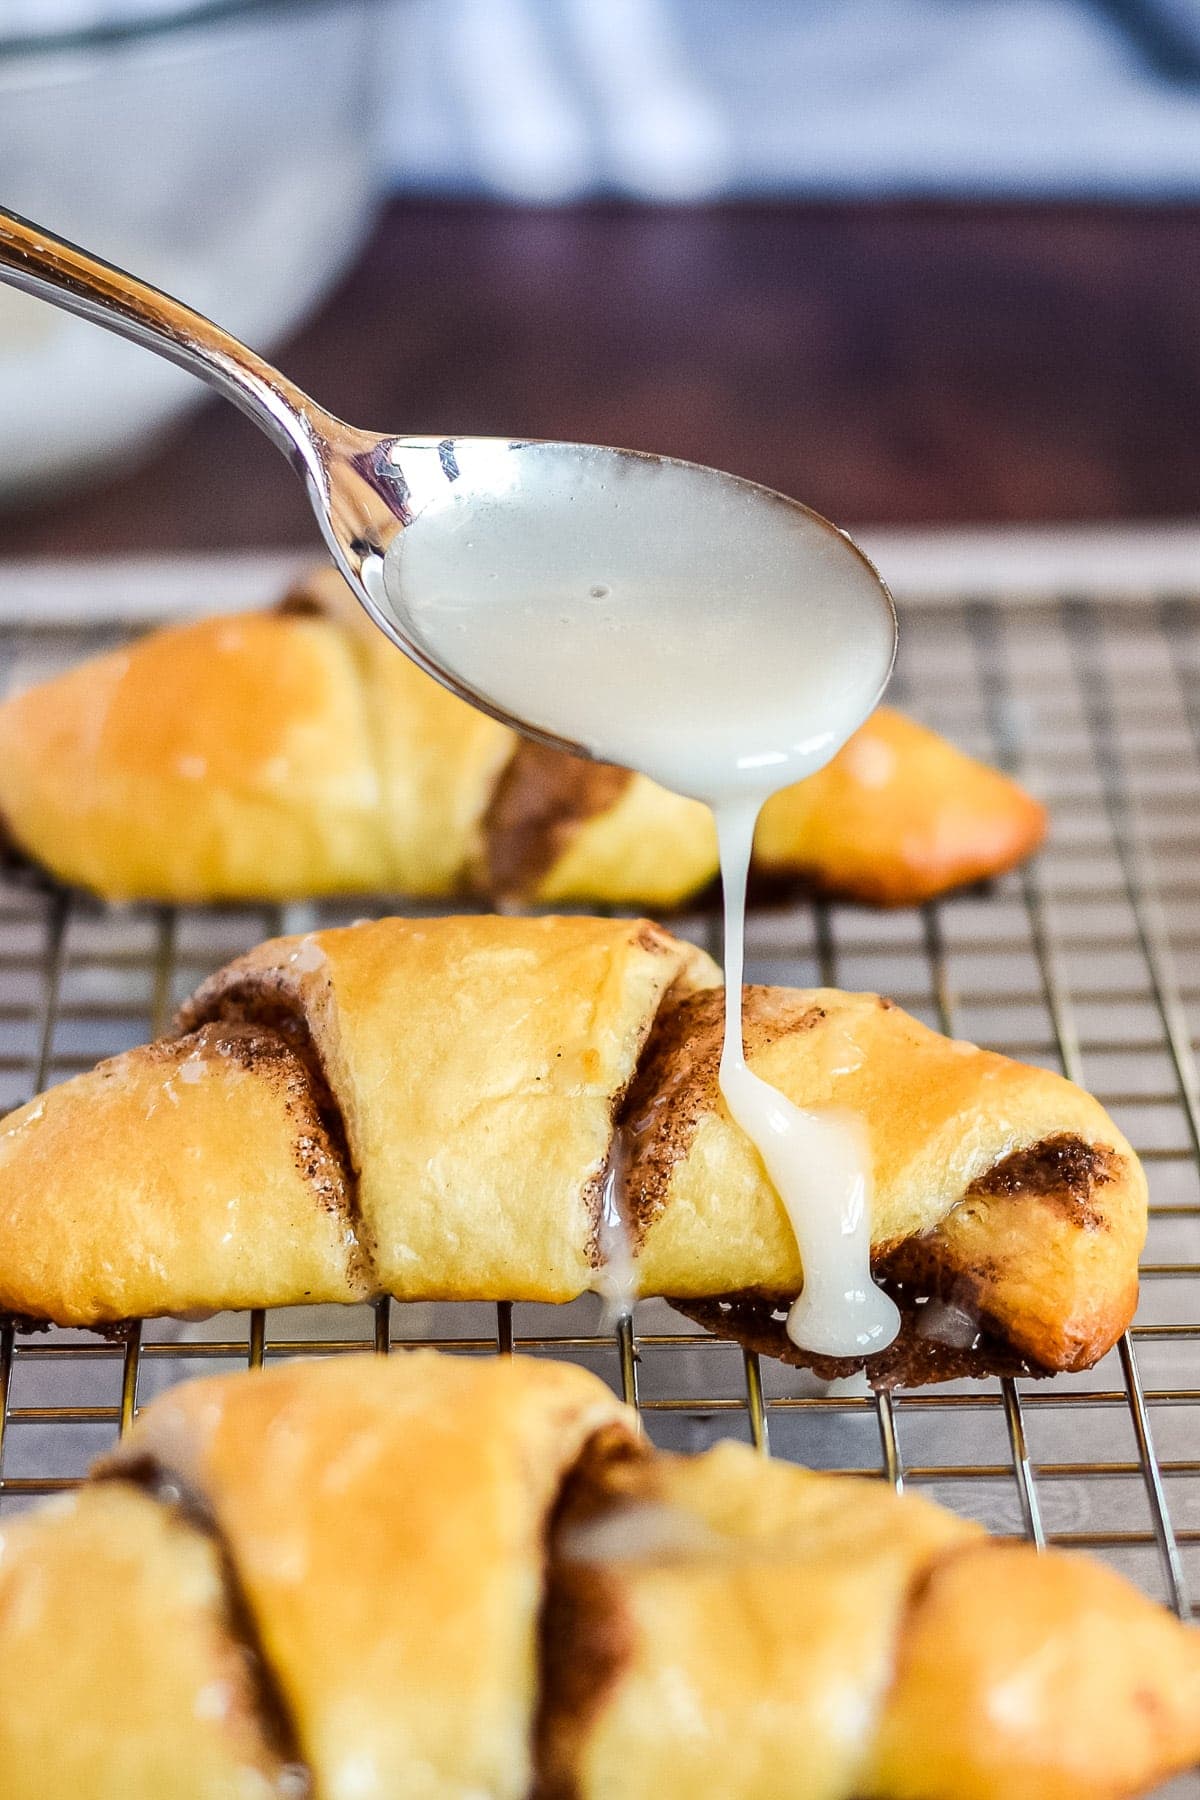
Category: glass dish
[227,153]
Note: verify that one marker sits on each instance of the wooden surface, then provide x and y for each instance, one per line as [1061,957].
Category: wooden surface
[899,364]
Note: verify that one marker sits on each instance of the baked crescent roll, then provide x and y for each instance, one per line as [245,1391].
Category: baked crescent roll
[297,753]
[432,1109]
[445,1578]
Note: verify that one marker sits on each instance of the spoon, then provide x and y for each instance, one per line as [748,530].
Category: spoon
[642,610]
[510,569]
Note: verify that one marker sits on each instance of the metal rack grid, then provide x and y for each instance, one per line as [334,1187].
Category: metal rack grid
[1085,961]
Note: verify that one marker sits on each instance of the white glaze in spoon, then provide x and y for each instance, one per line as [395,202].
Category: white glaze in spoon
[706,631]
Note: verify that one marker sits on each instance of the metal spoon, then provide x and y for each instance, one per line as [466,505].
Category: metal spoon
[366,488]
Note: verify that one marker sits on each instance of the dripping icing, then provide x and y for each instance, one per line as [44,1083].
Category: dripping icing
[616,1280]
[819,1161]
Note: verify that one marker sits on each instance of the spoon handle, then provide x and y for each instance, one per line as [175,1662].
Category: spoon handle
[35,260]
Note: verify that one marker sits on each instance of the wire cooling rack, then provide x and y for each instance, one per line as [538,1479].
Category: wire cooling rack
[1084,961]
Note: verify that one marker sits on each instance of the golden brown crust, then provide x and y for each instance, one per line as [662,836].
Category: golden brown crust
[1048,1676]
[227,758]
[125,1678]
[953,1324]
[897,817]
[979,1205]
[185,1176]
[296,752]
[764,1632]
[433,1108]
[387,1520]
[454,1046]
[437,1576]
[262,1013]
[282,1060]
[186,1511]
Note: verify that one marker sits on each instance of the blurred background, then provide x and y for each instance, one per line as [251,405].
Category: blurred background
[914,261]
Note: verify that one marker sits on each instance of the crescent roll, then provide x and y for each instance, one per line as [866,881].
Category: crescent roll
[297,753]
[448,1578]
[433,1109]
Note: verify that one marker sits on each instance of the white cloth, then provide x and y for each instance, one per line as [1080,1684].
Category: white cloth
[682,99]
[41,18]
[549,100]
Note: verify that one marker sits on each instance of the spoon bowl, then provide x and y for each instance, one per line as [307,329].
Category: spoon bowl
[640,609]
[564,588]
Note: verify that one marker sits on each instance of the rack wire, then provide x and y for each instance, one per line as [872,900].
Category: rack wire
[1084,961]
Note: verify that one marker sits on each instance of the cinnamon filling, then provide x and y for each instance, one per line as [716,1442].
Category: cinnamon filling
[939,1339]
[301,602]
[262,1021]
[947,1333]
[1063,1170]
[540,802]
[584,1637]
[271,1711]
[676,1085]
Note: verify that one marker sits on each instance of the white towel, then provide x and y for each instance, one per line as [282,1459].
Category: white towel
[666,99]
[695,99]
